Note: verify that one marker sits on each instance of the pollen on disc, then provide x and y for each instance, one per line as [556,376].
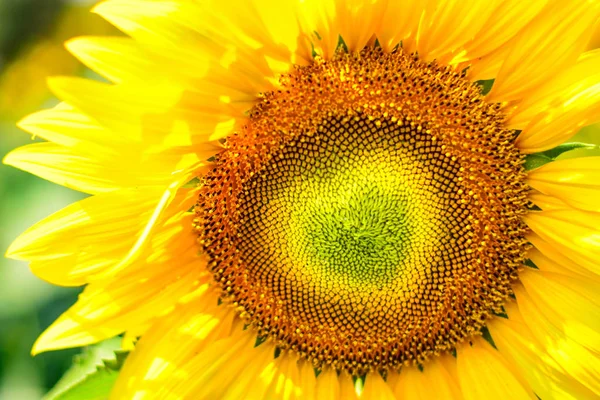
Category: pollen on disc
[368,214]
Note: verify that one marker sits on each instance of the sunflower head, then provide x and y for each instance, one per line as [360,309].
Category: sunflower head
[313,195]
[368,214]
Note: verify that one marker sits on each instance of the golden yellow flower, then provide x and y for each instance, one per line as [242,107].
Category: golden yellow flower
[325,199]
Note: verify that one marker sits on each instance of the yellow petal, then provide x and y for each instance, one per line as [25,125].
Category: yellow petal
[576,360]
[399,22]
[434,382]
[156,116]
[205,41]
[506,20]
[355,21]
[547,259]
[211,372]
[447,26]
[569,302]
[126,110]
[195,325]
[551,42]
[162,24]
[565,104]
[68,127]
[574,233]
[119,59]
[376,388]
[484,374]
[145,290]
[92,175]
[287,383]
[101,229]
[575,181]
[517,345]
[330,386]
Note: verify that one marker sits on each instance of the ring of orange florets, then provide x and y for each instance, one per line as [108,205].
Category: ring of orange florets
[426,106]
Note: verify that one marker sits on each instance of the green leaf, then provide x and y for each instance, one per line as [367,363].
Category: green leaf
[485,85]
[92,374]
[563,148]
[536,160]
[533,161]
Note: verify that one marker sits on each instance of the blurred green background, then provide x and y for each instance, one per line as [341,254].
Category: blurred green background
[32,33]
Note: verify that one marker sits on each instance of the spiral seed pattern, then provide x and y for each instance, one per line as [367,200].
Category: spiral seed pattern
[369,214]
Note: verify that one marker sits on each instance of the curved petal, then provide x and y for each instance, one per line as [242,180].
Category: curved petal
[576,360]
[547,259]
[399,22]
[573,232]
[148,288]
[552,113]
[447,26]
[101,229]
[434,382]
[506,20]
[558,35]
[571,303]
[376,388]
[120,59]
[483,373]
[518,346]
[356,21]
[92,174]
[330,386]
[195,325]
[575,181]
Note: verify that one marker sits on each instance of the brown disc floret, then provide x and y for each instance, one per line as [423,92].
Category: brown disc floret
[369,213]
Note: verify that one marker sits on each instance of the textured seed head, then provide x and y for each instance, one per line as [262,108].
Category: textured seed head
[369,214]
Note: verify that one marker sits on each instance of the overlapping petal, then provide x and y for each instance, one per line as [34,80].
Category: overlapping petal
[518,346]
[484,373]
[575,359]
[101,230]
[554,112]
[558,35]
[436,380]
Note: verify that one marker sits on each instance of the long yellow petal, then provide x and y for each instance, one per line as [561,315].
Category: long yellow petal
[547,259]
[196,324]
[101,229]
[434,382]
[573,232]
[558,35]
[206,44]
[569,302]
[120,59]
[484,374]
[399,22]
[576,360]
[376,388]
[506,20]
[560,107]
[145,290]
[68,127]
[88,174]
[356,21]
[447,26]
[330,386]
[159,116]
[576,181]
[518,346]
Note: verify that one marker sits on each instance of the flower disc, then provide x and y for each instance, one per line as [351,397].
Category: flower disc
[369,213]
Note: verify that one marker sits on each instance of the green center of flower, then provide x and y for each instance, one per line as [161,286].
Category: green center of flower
[368,214]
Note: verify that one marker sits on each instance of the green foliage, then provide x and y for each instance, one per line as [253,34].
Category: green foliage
[92,375]
[536,160]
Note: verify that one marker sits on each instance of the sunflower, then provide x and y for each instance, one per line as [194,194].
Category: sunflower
[329,199]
